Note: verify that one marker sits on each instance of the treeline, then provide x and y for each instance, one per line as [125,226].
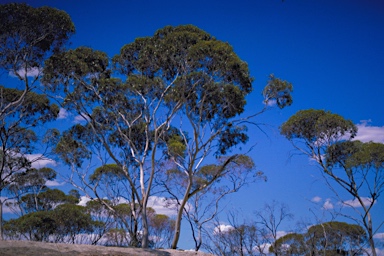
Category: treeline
[50,215]
[329,238]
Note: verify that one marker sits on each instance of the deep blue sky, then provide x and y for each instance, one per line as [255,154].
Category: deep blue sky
[331,51]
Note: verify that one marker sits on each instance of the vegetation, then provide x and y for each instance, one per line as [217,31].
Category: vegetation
[354,166]
[330,238]
[162,118]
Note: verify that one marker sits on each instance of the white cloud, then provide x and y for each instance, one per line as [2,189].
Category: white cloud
[84,200]
[163,205]
[379,236]
[355,203]
[366,133]
[281,234]
[270,103]
[54,183]
[31,72]
[222,229]
[63,114]
[80,118]
[316,199]
[40,161]
[328,204]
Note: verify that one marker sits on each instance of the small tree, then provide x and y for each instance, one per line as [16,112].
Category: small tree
[330,238]
[31,182]
[269,220]
[354,166]
[162,228]
[233,239]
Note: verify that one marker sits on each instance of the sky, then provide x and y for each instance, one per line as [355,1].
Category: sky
[331,51]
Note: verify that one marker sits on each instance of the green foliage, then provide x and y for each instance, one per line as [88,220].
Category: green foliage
[330,238]
[110,170]
[317,125]
[162,228]
[355,154]
[290,244]
[356,167]
[73,66]
[46,201]
[72,220]
[72,145]
[279,90]
[28,34]
[238,240]
[178,72]
[33,110]
[66,220]
[35,226]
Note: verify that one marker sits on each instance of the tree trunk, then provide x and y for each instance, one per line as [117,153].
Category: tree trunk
[370,235]
[180,215]
[1,221]
[144,239]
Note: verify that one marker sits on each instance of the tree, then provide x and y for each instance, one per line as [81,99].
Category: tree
[27,36]
[72,220]
[179,72]
[34,226]
[290,244]
[31,182]
[210,184]
[269,220]
[213,98]
[233,239]
[329,238]
[102,217]
[354,166]
[45,201]
[161,229]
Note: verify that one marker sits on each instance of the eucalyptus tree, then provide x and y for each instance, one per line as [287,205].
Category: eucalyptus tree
[33,182]
[122,117]
[354,166]
[180,71]
[270,218]
[213,102]
[162,228]
[210,184]
[329,238]
[27,36]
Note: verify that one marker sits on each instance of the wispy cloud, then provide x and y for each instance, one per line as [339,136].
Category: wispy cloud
[79,119]
[316,199]
[355,203]
[328,204]
[40,161]
[281,233]
[84,200]
[366,133]
[31,72]
[222,228]
[54,183]
[379,236]
[63,114]
[164,205]
[270,103]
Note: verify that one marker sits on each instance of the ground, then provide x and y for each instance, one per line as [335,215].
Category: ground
[29,248]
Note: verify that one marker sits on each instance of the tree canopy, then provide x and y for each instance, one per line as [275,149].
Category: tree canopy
[356,167]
